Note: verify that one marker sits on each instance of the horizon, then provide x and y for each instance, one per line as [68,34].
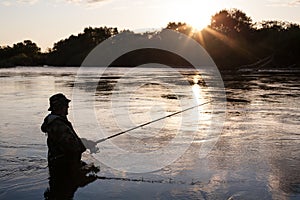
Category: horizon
[46,23]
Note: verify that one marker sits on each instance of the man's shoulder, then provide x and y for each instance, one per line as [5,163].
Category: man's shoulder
[52,117]
[54,120]
[49,119]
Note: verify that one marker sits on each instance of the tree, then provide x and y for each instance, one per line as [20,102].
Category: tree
[181,27]
[73,50]
[22,53]
[26,47]
[231,22]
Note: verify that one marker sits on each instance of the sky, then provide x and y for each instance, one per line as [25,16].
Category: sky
[46,22]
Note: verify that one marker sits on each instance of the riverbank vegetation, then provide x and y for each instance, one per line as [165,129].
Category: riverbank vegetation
[232,39]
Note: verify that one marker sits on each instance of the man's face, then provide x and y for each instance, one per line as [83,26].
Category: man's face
[65,109]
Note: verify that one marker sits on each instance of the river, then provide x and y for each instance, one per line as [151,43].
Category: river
[255,155]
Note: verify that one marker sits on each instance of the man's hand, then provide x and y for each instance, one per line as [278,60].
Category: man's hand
[91,145]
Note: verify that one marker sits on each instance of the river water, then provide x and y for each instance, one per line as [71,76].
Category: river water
[256,154]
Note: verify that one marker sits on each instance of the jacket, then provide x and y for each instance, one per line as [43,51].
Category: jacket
[62,141]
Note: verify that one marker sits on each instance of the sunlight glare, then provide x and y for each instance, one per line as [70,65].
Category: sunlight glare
[197,93]
[193,12]
[196,79]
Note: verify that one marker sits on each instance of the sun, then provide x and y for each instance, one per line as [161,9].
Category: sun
[196,13]
[198,22]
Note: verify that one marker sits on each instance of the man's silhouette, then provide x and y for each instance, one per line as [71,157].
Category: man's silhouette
[67,171]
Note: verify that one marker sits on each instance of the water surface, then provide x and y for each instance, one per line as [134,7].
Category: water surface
[257,155]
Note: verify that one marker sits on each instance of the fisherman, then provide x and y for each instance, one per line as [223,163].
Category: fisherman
[67,171]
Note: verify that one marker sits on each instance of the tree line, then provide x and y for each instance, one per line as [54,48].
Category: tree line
[232,39]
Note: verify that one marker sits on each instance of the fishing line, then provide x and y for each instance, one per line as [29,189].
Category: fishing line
[142,180]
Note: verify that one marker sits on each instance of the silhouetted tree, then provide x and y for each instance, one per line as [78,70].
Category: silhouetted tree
[23,53]
[181,27]
[231,39]
[73,50]
[231,22]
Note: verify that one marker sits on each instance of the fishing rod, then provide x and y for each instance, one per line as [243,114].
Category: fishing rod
[147,123]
